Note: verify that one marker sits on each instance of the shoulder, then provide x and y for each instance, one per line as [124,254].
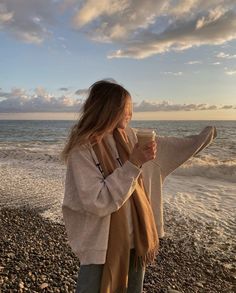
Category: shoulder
[79,151]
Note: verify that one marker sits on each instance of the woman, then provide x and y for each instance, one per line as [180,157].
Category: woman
[112,206]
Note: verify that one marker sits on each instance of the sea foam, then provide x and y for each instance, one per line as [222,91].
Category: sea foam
[209,167]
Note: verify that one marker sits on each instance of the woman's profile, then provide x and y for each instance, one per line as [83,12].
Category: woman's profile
[112,205]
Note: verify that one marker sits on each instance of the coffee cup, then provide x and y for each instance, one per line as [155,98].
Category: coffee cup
[145,136]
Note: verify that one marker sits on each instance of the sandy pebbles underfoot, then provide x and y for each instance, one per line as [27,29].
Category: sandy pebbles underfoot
[35,257]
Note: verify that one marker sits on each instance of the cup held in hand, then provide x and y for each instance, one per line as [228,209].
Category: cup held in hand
[145,136]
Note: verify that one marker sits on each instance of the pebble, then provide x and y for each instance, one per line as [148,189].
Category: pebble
[43,286]
[199,284]
[21,285]
[33,261]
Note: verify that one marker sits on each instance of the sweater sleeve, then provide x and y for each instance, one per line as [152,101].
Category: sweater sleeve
[172,152]
[95,194]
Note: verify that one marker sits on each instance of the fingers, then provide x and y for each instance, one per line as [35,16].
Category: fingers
[144,153]
[152,154]
[151,144]
[151,149]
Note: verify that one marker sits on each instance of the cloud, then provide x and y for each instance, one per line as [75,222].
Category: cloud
[228,107]
[225,56]
[92,9]
[180,36]
[63,89]
[28,20]
[82,92]
[230,72]
[194,62]
[138,28]
[146,106]
[39,101]
[15,92]
[179,73]
[20,101]
[212,17]
[144,28]
[5,16]
[109,20]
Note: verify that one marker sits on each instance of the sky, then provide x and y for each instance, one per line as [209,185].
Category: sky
[176,58]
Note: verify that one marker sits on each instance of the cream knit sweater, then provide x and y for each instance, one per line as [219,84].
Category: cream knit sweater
[90,199]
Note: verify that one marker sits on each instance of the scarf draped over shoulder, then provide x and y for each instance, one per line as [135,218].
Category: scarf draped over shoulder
[146,243]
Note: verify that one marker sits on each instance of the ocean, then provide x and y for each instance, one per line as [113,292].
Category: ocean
[203,189]
[42,141]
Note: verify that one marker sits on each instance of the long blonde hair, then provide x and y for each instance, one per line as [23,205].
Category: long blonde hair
[101,112]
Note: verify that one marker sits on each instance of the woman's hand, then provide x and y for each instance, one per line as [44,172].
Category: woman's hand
[143,154]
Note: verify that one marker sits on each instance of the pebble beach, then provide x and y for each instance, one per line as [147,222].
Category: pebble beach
[35,257]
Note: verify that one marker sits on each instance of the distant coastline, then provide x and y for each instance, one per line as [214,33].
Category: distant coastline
[206,115]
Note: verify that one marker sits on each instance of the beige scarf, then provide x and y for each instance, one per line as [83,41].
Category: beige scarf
[116,268]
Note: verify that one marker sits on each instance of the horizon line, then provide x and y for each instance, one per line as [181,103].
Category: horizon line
[13,119]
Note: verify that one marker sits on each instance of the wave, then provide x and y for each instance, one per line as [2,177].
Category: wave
[209,167]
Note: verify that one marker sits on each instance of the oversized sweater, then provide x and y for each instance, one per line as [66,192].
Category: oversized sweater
[90,199]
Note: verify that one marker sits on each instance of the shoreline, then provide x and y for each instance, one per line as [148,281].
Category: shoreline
[35,257]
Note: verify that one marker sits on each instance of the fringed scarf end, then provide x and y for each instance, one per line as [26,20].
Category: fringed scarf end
[145,260]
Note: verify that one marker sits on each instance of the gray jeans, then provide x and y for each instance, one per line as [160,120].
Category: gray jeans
[90,278]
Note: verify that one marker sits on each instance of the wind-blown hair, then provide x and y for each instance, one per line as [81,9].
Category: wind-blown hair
[101,113]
